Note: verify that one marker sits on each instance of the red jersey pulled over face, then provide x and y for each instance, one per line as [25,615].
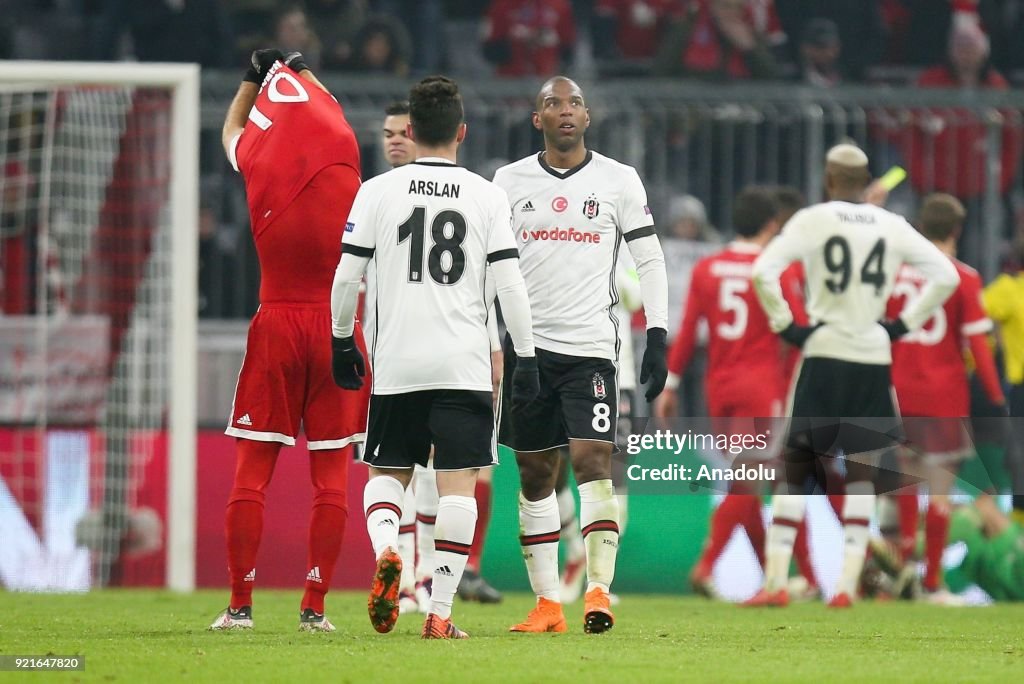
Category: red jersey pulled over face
[300,162]
[747,374]
[928,370]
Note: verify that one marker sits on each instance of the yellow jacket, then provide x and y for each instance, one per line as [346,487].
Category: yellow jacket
[1004,301]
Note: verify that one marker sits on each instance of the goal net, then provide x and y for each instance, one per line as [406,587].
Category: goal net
[98,210]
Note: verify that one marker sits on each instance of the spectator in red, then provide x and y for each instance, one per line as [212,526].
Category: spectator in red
[17,240]
[721,40]
[948,149]
[529,37]
[631,29]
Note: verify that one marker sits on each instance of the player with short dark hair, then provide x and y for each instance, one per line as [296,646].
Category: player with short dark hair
[572,208]
[850,252]
[930,379]
[289,139]
[439,239]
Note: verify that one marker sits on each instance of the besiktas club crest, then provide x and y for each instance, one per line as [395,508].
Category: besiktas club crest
[598,383]
[591,208]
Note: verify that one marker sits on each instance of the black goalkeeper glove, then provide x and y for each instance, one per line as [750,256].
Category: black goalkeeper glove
[347,365]
[895,328]
[797,335]
[654,367]
[525,380]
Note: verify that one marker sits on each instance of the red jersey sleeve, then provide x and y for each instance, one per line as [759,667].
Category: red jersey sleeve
[686,339]
[792,281]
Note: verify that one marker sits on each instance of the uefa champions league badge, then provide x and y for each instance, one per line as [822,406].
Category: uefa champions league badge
[600,392]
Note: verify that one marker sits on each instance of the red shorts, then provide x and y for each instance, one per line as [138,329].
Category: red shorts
[946,437]
[286,380]
[748,413]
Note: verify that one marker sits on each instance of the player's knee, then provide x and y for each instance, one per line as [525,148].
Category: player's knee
[330,497]
[240,494]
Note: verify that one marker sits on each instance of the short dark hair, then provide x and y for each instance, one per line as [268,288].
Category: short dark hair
[397,108]
[754,207]
[435,110]
[942,216]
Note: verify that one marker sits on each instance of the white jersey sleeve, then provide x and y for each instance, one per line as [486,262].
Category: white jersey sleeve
[633,210]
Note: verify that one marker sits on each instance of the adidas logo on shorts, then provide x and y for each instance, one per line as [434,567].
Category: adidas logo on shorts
[314,575]
[444,570]
[245,420]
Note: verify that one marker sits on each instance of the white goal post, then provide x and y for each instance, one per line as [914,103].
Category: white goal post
[174,219]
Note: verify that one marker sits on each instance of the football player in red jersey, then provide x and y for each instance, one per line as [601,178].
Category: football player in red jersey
[930,378]
[300,161]
[748,367]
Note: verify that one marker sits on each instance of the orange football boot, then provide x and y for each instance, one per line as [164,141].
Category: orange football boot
[383,602]
[765,598]
[597,614]
[436,627]
[546,616]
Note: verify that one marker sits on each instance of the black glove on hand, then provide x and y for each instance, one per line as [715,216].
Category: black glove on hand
[896,328]
[295,61]
[797,335]
[260,63]
[347,365]
[654,367]
[525,380]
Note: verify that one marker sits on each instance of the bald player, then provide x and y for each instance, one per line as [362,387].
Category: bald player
[851,252]
[572,210]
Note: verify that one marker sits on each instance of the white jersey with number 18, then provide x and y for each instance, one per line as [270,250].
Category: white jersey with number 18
[432,227]
[569,227]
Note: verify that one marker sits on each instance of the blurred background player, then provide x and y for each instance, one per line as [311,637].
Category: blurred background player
[747,373]
[420,506]
[1004,301]
[300,160]
[574,570]
[438,393]
[930,379]
[850,253]
[571,208]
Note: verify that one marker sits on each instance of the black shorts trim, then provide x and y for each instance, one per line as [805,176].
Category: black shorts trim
[459,424]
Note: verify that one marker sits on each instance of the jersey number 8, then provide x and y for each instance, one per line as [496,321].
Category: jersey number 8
[446,261]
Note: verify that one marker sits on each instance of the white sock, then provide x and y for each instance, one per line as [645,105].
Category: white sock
[407,540]
[787,513]
[599,516]
[570,524]
[857,509]
[623,500]
[426,516]
[382,504]
[538,535]
[456,520]
[888,516]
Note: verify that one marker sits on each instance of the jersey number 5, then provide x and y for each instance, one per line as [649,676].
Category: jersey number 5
[446,261]
[837,261]
[730,292]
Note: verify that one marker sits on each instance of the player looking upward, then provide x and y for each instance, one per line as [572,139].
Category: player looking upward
[572,208]
[289,139]
[437,234]
[850,253]
[930,378]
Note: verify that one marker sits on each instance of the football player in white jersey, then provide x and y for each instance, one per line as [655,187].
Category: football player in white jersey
[571,210]
[437,234]
[851,252]
[419,510]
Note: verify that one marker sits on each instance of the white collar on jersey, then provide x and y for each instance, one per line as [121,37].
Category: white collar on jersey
[744,247]
[434,161]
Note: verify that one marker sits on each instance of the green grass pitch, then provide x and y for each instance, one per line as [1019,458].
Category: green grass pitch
[150,636]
